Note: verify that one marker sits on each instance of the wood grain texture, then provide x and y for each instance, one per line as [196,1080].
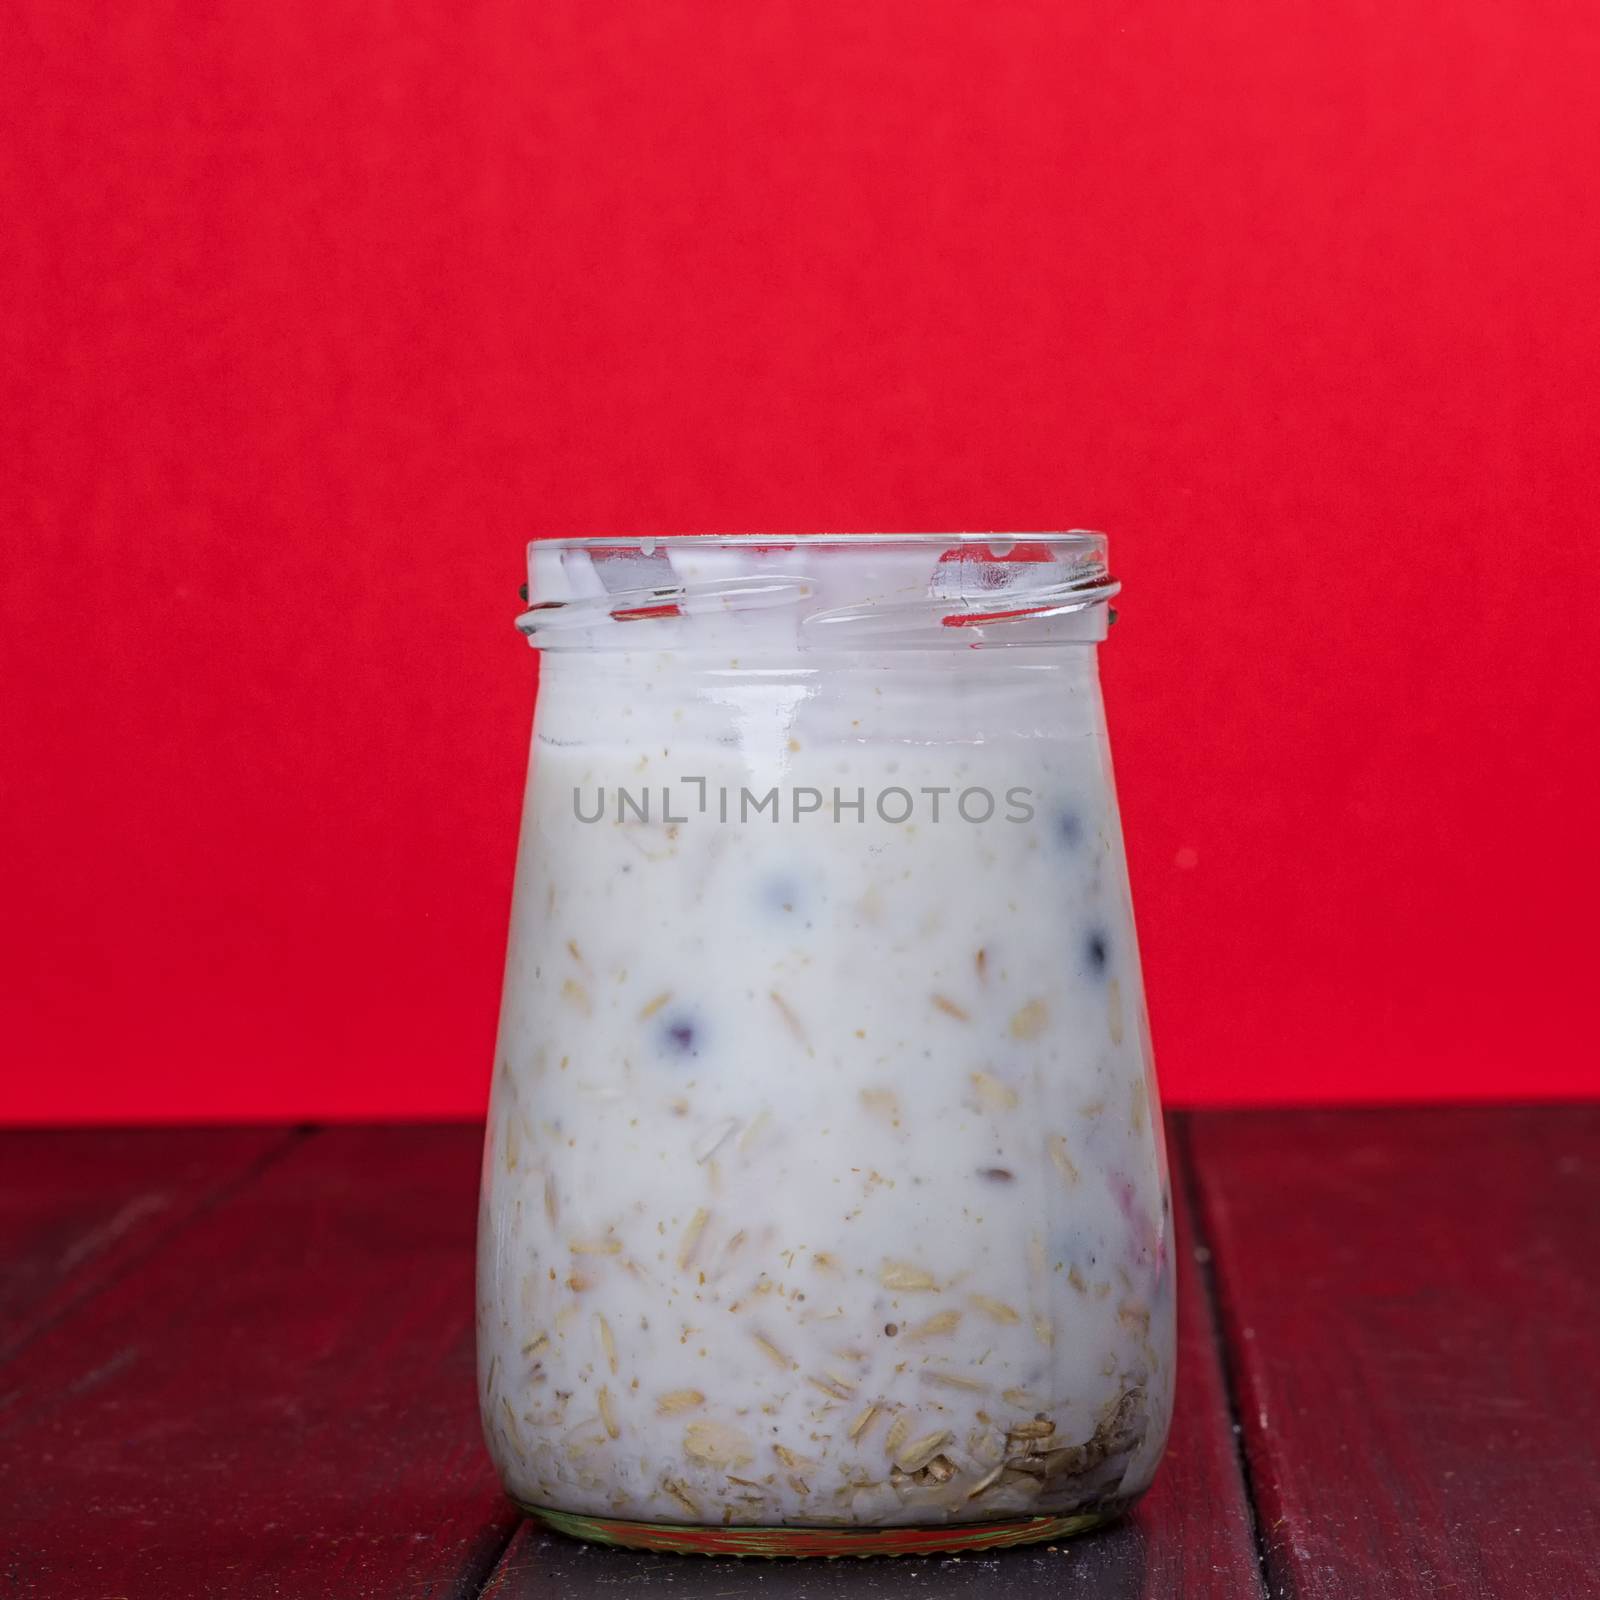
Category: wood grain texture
[1191,1536]
[279,1402]
[1412,1299]
[263,1386]
[78,1207]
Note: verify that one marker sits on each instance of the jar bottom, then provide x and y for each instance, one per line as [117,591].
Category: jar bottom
[923,1539]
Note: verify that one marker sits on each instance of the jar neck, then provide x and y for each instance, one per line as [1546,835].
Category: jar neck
[649,699]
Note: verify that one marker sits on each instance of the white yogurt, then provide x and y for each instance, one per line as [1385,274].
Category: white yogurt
[824,1181]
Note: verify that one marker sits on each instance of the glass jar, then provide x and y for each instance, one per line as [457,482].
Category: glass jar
[825,1202]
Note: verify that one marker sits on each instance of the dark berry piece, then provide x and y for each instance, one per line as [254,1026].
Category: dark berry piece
[679,1036]
[1098,951]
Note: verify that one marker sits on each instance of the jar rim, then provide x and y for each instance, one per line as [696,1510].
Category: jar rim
[1061,538]
[816,592]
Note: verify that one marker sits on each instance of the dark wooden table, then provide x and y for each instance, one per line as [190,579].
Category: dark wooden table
[239,1363]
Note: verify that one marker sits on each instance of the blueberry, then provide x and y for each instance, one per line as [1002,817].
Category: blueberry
[1098,952]
[679,1036]
[1069,828]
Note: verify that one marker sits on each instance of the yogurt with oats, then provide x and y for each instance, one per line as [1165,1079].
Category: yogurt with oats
[822,1181]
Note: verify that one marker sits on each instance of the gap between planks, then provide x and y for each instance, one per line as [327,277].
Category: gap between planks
[1204,1266]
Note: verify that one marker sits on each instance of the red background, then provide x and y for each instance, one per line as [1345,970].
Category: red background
[312,311]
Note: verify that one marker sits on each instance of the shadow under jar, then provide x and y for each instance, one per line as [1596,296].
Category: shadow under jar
[825,1205]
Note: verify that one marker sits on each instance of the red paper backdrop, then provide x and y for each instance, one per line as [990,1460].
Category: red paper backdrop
[312,311]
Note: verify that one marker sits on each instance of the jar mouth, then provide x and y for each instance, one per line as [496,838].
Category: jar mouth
[790,541]
[817,592]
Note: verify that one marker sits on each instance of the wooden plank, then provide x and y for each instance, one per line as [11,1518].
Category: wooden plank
[78,1207]
[1412,1302]
[1190,1536]
[279,1402]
